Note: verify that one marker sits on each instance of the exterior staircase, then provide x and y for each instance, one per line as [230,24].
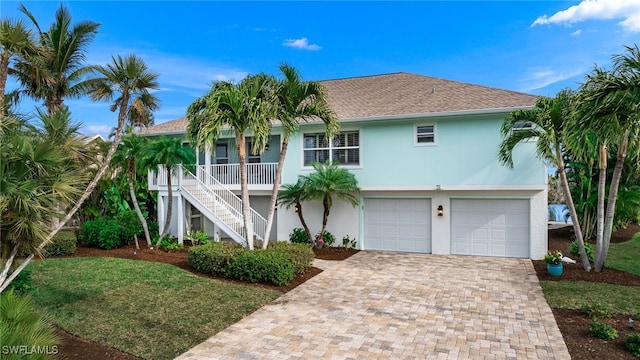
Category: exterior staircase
[218,204]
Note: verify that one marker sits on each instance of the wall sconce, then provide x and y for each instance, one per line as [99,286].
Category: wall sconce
[440,210]
[297,208]
[266,147]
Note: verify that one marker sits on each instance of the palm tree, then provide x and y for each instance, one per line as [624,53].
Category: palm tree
[243,107]
[330,181]
[170,153]
[126,80]
[36,177]
[294,195]
[548,120]
[58,70]
[297,101]
[129,150]
[15,40]
[609,108]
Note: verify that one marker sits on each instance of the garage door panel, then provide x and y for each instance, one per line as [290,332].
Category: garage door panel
[397,224]
[490,227]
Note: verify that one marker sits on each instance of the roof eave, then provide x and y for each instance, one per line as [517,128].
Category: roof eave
[437,114]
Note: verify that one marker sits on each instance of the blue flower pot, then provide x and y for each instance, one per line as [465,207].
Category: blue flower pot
[554,269]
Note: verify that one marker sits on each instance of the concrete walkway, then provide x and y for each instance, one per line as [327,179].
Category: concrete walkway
[383,305]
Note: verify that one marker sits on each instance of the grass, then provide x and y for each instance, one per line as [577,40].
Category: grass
[152,310]
[572,294]
[621,299]
[624,256]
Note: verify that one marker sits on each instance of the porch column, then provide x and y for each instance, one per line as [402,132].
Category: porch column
[207,162]
[180,218]
[161,219]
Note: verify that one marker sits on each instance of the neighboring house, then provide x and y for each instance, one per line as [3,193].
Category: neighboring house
[424,152]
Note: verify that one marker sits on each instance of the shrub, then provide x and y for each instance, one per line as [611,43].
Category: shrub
[169,243]
[21,324]
[326,239]
[214,257]
[575,249]
[154,229]
[602,330]
[110,236]
[64,243]
[262,265]
[90,232]
[597,309]
[130,225]
[22,283]
[349,243]
[301,255]
[632,343]
[198,237]
[299,236]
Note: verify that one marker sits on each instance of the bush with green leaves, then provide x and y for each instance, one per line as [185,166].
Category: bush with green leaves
[299,236]
[130,225]
[22,324]
[198,237]
[214,257]
[154,228]
[110,236]
[602,330]
[632,343]
[325,240]
[574,249]
[301,255]
[63,243]
[169,243]
[597,309]
[262,266]
[349,243]
[22,283]
[90,232]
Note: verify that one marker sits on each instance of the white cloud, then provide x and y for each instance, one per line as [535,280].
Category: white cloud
[577,32]
[628,10]
[103,130]
[539,78]
[302,43]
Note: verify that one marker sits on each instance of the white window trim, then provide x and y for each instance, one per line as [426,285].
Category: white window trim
[435,135]
[330,148]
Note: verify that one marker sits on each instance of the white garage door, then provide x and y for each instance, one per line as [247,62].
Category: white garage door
[397,225]
[490,227]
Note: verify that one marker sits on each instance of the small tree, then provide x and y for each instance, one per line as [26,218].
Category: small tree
[169,153]
[294,195]
[327,182]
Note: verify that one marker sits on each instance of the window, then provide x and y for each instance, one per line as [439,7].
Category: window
[222,153]
[425,134]
[521,125]
[251,156]
[345,148]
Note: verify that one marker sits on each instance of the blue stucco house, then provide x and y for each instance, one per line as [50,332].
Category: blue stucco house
[424,152]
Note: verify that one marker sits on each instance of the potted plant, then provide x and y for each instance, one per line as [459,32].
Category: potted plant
[554,262]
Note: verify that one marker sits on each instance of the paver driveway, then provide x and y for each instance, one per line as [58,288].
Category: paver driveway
[400,306]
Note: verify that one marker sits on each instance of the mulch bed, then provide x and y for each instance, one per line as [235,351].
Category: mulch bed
[573,324]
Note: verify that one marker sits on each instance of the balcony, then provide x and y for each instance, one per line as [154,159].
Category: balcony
[259,175]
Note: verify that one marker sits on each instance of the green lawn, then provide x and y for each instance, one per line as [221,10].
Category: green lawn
[621,299]
[148,309]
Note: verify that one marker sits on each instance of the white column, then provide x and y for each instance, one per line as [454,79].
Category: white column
[181,216]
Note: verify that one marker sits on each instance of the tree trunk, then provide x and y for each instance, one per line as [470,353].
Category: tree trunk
[274,191]
[132,193]
[4,71]
[7,267]
[244,187]
[87,191]
[169,214]
[564,183]
[304,223]
[602,181]
[325,214]
[613,196]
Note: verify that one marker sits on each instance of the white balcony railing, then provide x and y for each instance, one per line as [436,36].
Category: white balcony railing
[229,174]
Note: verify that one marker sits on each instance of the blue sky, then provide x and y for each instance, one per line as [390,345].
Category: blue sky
[538,47]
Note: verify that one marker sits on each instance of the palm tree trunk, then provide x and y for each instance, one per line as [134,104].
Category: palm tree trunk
[169,214]
[274,192]
[564,183]
[4,71]
[600,209]
[132,193]
[7,266]
[304,223]
[85,195]
[613,196]
[246,206]
[325,215]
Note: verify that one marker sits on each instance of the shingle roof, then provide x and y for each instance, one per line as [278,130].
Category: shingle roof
[397,94]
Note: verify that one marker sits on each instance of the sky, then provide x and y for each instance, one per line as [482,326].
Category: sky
[537,47]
